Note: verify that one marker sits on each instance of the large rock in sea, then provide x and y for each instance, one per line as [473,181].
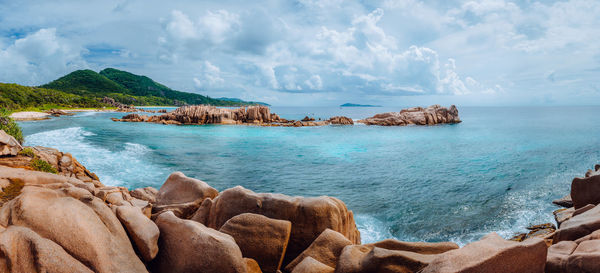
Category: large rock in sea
[431,115]
[260,238]
[188,246]
[206,114]
[180,189]
[8,144]
[341,120]
[493,254]
[77,221]
[309,215]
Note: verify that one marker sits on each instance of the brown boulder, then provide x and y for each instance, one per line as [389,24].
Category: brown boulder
[417,247]
[431,115]
[325,249]
[366,259]
[558,256]
[182,189]
[585,191]
[260,238]
[142,231]
[252,266]
[340,120]
[9,145]
[82,225]
[22,250]
[562,215]
[309,216]
[493,254]
[147,193]
[310,265]
[564,201]
[188,246]
[579,225]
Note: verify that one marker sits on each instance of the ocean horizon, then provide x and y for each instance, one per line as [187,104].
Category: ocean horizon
[497,171]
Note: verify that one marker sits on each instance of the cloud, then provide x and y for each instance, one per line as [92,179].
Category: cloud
[38,57]
[318,51]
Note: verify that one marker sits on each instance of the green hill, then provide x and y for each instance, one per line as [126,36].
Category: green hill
[18,97]
[129,88]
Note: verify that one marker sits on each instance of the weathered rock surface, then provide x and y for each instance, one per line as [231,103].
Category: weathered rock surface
[147,193]
[431,115]
[561,215]
[564,201]
[585,191]
[179,189]
[309,216]
[188,246]
[341,120]
[493,254]
[9,145]
[368,258]
[417,247]
[77,221]
[142,231]
[310,265]
[579,225]
[325,249]
[22,250]
[260,238]
[572,257]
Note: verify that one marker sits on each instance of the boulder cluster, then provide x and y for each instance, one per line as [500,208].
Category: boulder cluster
[69,221]
[434,114]
[250,115]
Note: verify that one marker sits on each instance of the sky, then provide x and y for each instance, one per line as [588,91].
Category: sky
[319,53]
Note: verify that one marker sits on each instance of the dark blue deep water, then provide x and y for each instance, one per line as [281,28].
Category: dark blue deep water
[498,171]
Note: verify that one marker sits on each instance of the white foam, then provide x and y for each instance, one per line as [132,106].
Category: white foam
[372,229]
[116,168]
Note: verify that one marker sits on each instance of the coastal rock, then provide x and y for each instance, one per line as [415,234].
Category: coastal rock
[585,191]
[309,215]
[58,113]
[206,114]
[434,114]
[325,249]
[561,215]
[579,225]
[252,266]
[9,145]
[180,189]
[80,223]
[142,231]
[558,256]
[341,120]
[182,210]
[417,247]
[188,246]
[310,265]
[22,250]
[368,258]
[65,164]
[493,254]
[564,201]
[260,238]
[147,193]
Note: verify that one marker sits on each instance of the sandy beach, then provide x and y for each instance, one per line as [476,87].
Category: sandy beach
[21,116]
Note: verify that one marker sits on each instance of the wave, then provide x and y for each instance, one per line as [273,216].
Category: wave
[126,166]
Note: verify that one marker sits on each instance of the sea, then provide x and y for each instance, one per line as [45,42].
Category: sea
[497,171]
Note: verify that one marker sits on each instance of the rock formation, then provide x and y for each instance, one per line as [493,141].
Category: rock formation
[8,144]
[431,115]
[71,222]
[250,115]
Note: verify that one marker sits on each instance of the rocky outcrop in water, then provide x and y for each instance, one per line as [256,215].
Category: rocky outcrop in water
[431,115]
[251,115]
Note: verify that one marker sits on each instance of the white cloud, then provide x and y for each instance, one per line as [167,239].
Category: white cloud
[38,57]
[211,77]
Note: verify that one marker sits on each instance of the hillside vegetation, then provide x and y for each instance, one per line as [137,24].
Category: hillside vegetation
[129,88]
[17,97]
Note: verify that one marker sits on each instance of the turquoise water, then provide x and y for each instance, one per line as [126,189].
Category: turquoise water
[499,170]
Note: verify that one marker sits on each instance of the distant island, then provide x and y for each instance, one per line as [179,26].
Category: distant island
[358,105]
[90,89]
[241,101]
